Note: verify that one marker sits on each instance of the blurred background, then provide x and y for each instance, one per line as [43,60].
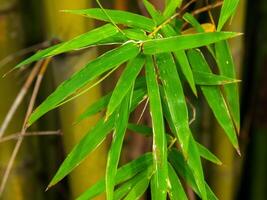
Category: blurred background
[29,25]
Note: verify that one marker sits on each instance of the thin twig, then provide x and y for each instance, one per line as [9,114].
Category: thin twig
[20,97]
[210,14]
[24,126]
[143,111]
[22,52]
[207,8]
[16,136]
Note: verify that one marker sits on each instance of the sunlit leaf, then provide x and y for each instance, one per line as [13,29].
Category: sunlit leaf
[180,165]
[125,82]
[171,7]
[90,38]
[227,68]
[159,138]
[117,16]
[176,190]
[124,173]
[205,153]
[228,9]
[185,42]
[204,78]
[156,15]
[121,122]
[214,97]
[87,144]
[91,71]
[179,115]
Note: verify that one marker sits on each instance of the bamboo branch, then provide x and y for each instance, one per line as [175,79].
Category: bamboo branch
[20,97]
[24,126]
[16,136]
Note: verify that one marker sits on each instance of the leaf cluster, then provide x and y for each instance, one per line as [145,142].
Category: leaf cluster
[170,58]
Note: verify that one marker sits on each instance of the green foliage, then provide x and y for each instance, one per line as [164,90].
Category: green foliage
[158,47]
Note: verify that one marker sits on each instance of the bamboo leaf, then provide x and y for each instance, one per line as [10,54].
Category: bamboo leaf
[87,144]
[90,38]
[176,190]
[181,57]
[125,82]
[126,187]
[123,174]
[139,189]
[185,42]
[204,78]
[227,68]
[117,16]
[92,70]
[171,7]
[121,122]
[156,15]
[138,96]
[214,98]
[178,110]
[159,138]
[227,11]
[180,165]
[205,153]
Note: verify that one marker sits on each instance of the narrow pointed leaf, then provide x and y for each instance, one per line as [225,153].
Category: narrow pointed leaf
[214,98]
[121,122]
[185,42]
[171,7]
[159,138]
[124,173]
[176,190]
[125,82]
[181,57]
[156,16]
[205,153]
[204,78]
[178,110]
[126,187]
[181,167]
[139,189]
[87,144]
[87,39]
[227,68]
[227,11]
[91,71]
[117,16]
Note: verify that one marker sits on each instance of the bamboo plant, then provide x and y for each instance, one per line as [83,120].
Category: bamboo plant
[166,52]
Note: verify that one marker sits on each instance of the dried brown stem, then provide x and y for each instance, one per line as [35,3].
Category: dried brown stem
[16,136]
[20,97]
[24,127]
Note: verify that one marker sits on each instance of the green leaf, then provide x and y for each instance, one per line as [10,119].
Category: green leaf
[176,190]
[204,78]
[142,129]
[87,144]
[135,34]
[91,71]
[126,187]
[117,16]
[205,153]
[125,83]
[139,189]
[181,57]
[228,9]
[123,174]
[214,97]
[156,16]
[180,165]
[159,138]
[192,20]
[227,68]
[178,110]
[121,122]
[90,38]
[185,42]
[171,7]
